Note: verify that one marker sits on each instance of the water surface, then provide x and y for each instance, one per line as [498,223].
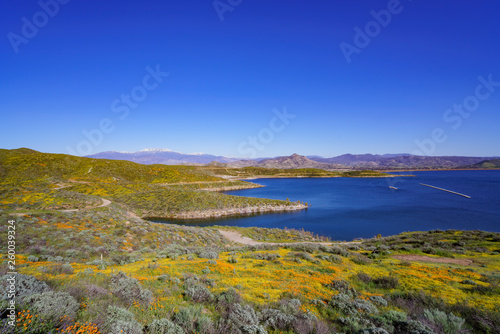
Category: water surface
[348,208]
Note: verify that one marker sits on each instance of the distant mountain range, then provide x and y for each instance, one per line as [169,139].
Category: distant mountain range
[164,156]
[345,161]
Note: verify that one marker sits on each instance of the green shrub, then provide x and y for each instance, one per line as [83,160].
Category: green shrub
[227,299]
[25,286]
[244,319]
[343,287]
[339,251]
[119,320]
[363,277]
[198,293]
[209,255]
[129,289]
[33,258]
[387,282]
[276,319]
[164,326]
[447,323]
[52,306]
[360,259]
[304,256]
[67,269]
[192,320]
[352,307]
[87,271]
[373,330]
[411,327]
[378,300]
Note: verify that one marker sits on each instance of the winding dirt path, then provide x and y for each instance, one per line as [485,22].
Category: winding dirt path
[237,237]
[105,202]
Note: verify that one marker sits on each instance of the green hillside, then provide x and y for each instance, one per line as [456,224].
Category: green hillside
[31,180]
[493,163]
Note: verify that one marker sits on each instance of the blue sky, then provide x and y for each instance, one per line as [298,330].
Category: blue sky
[89,67]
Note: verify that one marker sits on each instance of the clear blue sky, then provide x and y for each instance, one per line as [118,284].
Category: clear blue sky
[227,76]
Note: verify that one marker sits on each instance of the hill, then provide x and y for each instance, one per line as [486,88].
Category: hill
[493,163]
[403,161]
[39,181]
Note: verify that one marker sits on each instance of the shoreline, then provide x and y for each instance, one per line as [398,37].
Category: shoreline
[229,188]
[318,177]
[218,213]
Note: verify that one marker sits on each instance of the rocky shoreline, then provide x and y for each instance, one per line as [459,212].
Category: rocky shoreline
[229,188]
[233,212]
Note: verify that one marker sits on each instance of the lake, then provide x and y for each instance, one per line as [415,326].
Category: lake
[349,208]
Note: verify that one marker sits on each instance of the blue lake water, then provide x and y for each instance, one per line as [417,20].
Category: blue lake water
[348,208]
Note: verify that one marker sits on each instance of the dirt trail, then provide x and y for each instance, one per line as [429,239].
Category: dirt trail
[105,202]
[423,258]
[237,237]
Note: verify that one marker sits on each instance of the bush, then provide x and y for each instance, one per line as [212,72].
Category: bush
[290,306]
[164,326]
[387,282]
[95,290]
[25,286]
[192,320]
[209,255]
[52,306]
[308,247]
[245,320]
[129,289]
[363,277]
[360,259]
[378,300]
[343,287]
[88,271]
[352,307]
[263,256]
[446,323]
[411,327]
[374,330]
[276,319]
[33,258]
[67,269]
[120,320]
[304,256]
[339,251]
[335,259]
[393,316]
[198,293]
[227,299]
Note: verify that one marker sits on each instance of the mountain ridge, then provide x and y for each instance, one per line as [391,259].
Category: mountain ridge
[345,161]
